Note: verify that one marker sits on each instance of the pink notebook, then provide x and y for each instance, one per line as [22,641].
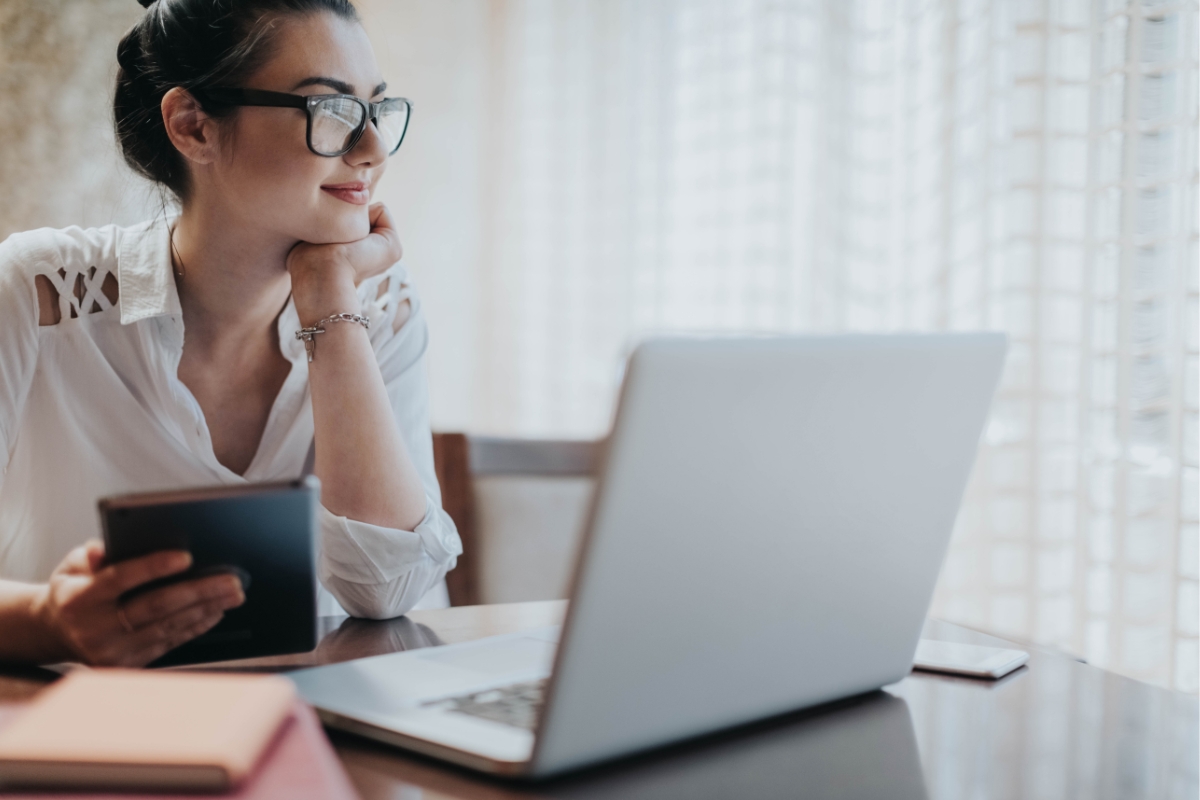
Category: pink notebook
[299,764]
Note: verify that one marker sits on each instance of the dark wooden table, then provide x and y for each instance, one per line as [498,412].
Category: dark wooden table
[1057,728]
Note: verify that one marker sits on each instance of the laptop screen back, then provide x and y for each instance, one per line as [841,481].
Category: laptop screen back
[766,533]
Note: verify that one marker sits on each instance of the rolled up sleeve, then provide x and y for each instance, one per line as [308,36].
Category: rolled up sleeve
[379,572]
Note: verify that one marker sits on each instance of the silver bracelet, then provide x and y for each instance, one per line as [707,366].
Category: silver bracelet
[309,335]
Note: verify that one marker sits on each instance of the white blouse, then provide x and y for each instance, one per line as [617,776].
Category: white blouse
[93,406]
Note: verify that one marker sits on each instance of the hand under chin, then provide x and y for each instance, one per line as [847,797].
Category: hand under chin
[322,271]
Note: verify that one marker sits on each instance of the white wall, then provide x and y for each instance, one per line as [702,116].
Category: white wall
[436,54]
[58,161]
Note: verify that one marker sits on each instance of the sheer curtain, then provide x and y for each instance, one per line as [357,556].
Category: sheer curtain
[827,165]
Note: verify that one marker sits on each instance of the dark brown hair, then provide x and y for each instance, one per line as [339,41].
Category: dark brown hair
[193,44]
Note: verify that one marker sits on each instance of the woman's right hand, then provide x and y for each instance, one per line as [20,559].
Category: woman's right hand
[82,609]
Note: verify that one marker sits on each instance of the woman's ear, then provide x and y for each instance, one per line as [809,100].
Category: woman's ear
[193,132]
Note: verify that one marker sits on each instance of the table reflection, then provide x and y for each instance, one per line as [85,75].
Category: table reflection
[864,749]
[356,638]
[1058,728]
[339,639]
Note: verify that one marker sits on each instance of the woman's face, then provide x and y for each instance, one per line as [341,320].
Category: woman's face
[265,171]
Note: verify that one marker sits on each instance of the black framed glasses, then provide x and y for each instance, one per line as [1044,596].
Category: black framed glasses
[335,121]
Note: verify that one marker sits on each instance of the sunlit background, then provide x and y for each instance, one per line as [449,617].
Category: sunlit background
[582,173]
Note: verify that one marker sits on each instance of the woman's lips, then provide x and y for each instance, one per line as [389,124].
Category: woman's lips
[354,193]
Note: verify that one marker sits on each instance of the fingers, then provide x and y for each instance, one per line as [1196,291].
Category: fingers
[382,224]
[221,591]
[76,562]
[94,548]
[158,621]
[116,579]
[381,217]
[164,636]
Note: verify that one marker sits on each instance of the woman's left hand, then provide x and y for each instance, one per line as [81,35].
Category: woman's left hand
[324,276]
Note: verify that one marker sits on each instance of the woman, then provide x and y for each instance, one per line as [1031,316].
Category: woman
[265,328]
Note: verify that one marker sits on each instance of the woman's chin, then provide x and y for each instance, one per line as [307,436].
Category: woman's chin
[338,231]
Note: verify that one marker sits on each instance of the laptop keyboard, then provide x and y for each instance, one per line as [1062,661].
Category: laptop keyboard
[515,705]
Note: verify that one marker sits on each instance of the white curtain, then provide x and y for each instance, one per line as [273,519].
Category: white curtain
[825,165]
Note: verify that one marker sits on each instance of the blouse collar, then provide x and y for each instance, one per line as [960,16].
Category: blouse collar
[145,281]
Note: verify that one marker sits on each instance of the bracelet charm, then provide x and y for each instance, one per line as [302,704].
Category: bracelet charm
[309,335]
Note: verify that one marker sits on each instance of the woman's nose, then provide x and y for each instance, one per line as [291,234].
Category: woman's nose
[370,149]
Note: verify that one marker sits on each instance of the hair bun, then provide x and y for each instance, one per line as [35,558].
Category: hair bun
[147,3]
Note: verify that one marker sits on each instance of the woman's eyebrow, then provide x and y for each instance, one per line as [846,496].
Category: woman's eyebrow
[335,84]
[332,83]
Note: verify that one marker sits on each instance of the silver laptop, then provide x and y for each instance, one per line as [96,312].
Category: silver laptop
[765,536]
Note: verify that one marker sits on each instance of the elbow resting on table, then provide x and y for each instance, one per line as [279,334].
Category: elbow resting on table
[380,573]
[394,598]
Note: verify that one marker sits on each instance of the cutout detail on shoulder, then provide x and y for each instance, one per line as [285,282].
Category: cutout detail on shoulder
[403,312]
[386,295]
[47,295]
[71,295]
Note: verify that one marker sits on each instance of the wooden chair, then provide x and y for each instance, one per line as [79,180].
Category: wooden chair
[460,459]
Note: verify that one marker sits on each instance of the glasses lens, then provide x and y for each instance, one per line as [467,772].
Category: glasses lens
[392,122]
[334,122]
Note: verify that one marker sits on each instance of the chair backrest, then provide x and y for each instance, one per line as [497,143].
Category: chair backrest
[519,505]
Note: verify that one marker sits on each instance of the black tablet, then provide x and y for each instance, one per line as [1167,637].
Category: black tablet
[264,533]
